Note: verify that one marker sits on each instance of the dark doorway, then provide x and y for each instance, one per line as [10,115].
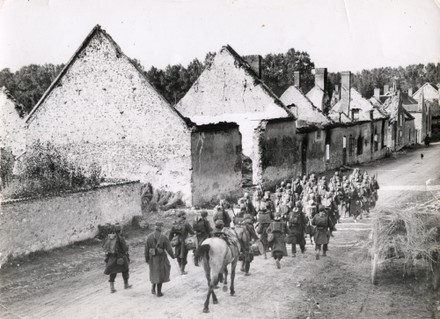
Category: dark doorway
[246,171]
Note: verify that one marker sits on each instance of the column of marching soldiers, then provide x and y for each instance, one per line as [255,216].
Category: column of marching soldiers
[304,206]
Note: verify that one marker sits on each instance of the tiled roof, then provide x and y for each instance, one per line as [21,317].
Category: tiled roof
[317,96]
[358,102]
[305,112]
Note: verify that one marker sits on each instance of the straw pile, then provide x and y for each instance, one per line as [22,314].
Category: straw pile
[411,233]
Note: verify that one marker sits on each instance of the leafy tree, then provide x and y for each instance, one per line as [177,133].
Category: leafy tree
[29,83]
[412,76]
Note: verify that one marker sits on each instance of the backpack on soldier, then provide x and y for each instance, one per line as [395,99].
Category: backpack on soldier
[294,217]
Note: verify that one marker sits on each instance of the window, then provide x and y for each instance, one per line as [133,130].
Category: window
[351,146]
[355,115]
[318,134]
[344,142]
[360,145]
[376,142]
[382,135]
[327,152]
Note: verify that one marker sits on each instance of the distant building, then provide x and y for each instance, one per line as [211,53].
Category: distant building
[101,109]
[365,135]
[312,127]
[230,89]
[421,112]
[431,94]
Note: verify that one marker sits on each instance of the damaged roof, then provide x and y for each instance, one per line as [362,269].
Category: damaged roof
[97,30]
[306,113]
[358,102]
[229,90]
[317,96]
[18,106]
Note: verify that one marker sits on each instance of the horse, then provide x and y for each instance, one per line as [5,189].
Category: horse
[215,255]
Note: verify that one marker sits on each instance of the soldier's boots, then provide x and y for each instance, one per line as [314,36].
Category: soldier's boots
[153,289]
[159,290]
[126,285]
[182,270]
[112,287]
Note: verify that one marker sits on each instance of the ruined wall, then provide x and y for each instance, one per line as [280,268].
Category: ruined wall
[315,154]
[44,223]
[216,165]
[410,132]
[103,110]
[356,131]
[12,128]
[278,157]
[336,147]
[377,129]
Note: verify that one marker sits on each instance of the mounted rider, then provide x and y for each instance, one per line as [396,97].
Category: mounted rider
[203,230]
[221,213]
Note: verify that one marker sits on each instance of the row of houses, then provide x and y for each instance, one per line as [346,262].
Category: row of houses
[102,110]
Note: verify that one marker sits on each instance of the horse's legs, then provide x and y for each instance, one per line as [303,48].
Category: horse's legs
[247,267]
[210,291]
[233,265]
[207,270]
[225,281]
[214,298]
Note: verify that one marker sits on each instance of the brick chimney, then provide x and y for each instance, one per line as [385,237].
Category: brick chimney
[321,77]
[337,93]
[297,79]
[255,62]
[345,91]
[377,93]
[396,84]
[386,88]
[410,91]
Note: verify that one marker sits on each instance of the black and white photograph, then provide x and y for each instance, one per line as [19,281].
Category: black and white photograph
[219,159]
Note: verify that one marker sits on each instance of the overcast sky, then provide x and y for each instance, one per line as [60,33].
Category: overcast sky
[338,34]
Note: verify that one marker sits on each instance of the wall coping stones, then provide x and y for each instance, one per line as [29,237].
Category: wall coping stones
[65,193]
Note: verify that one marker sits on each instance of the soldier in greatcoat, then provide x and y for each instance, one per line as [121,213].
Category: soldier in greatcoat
[156,249]
[323,231]
[181,229]
[117,257]
[278,231]
[296,226]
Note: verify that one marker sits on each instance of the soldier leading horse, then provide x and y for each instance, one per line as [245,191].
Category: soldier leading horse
[215,255]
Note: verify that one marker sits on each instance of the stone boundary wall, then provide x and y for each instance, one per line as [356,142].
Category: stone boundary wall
[33,224]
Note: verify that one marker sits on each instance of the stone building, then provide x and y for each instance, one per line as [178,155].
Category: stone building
[312,128]
[12,129]
[362,133]
[431,93]
[230,89]
[12,134]
[421,112]
[102,110]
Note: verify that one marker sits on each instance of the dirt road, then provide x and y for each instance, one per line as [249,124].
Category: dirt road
[69,282]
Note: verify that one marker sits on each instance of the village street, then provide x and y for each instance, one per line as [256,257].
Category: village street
[69,282]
